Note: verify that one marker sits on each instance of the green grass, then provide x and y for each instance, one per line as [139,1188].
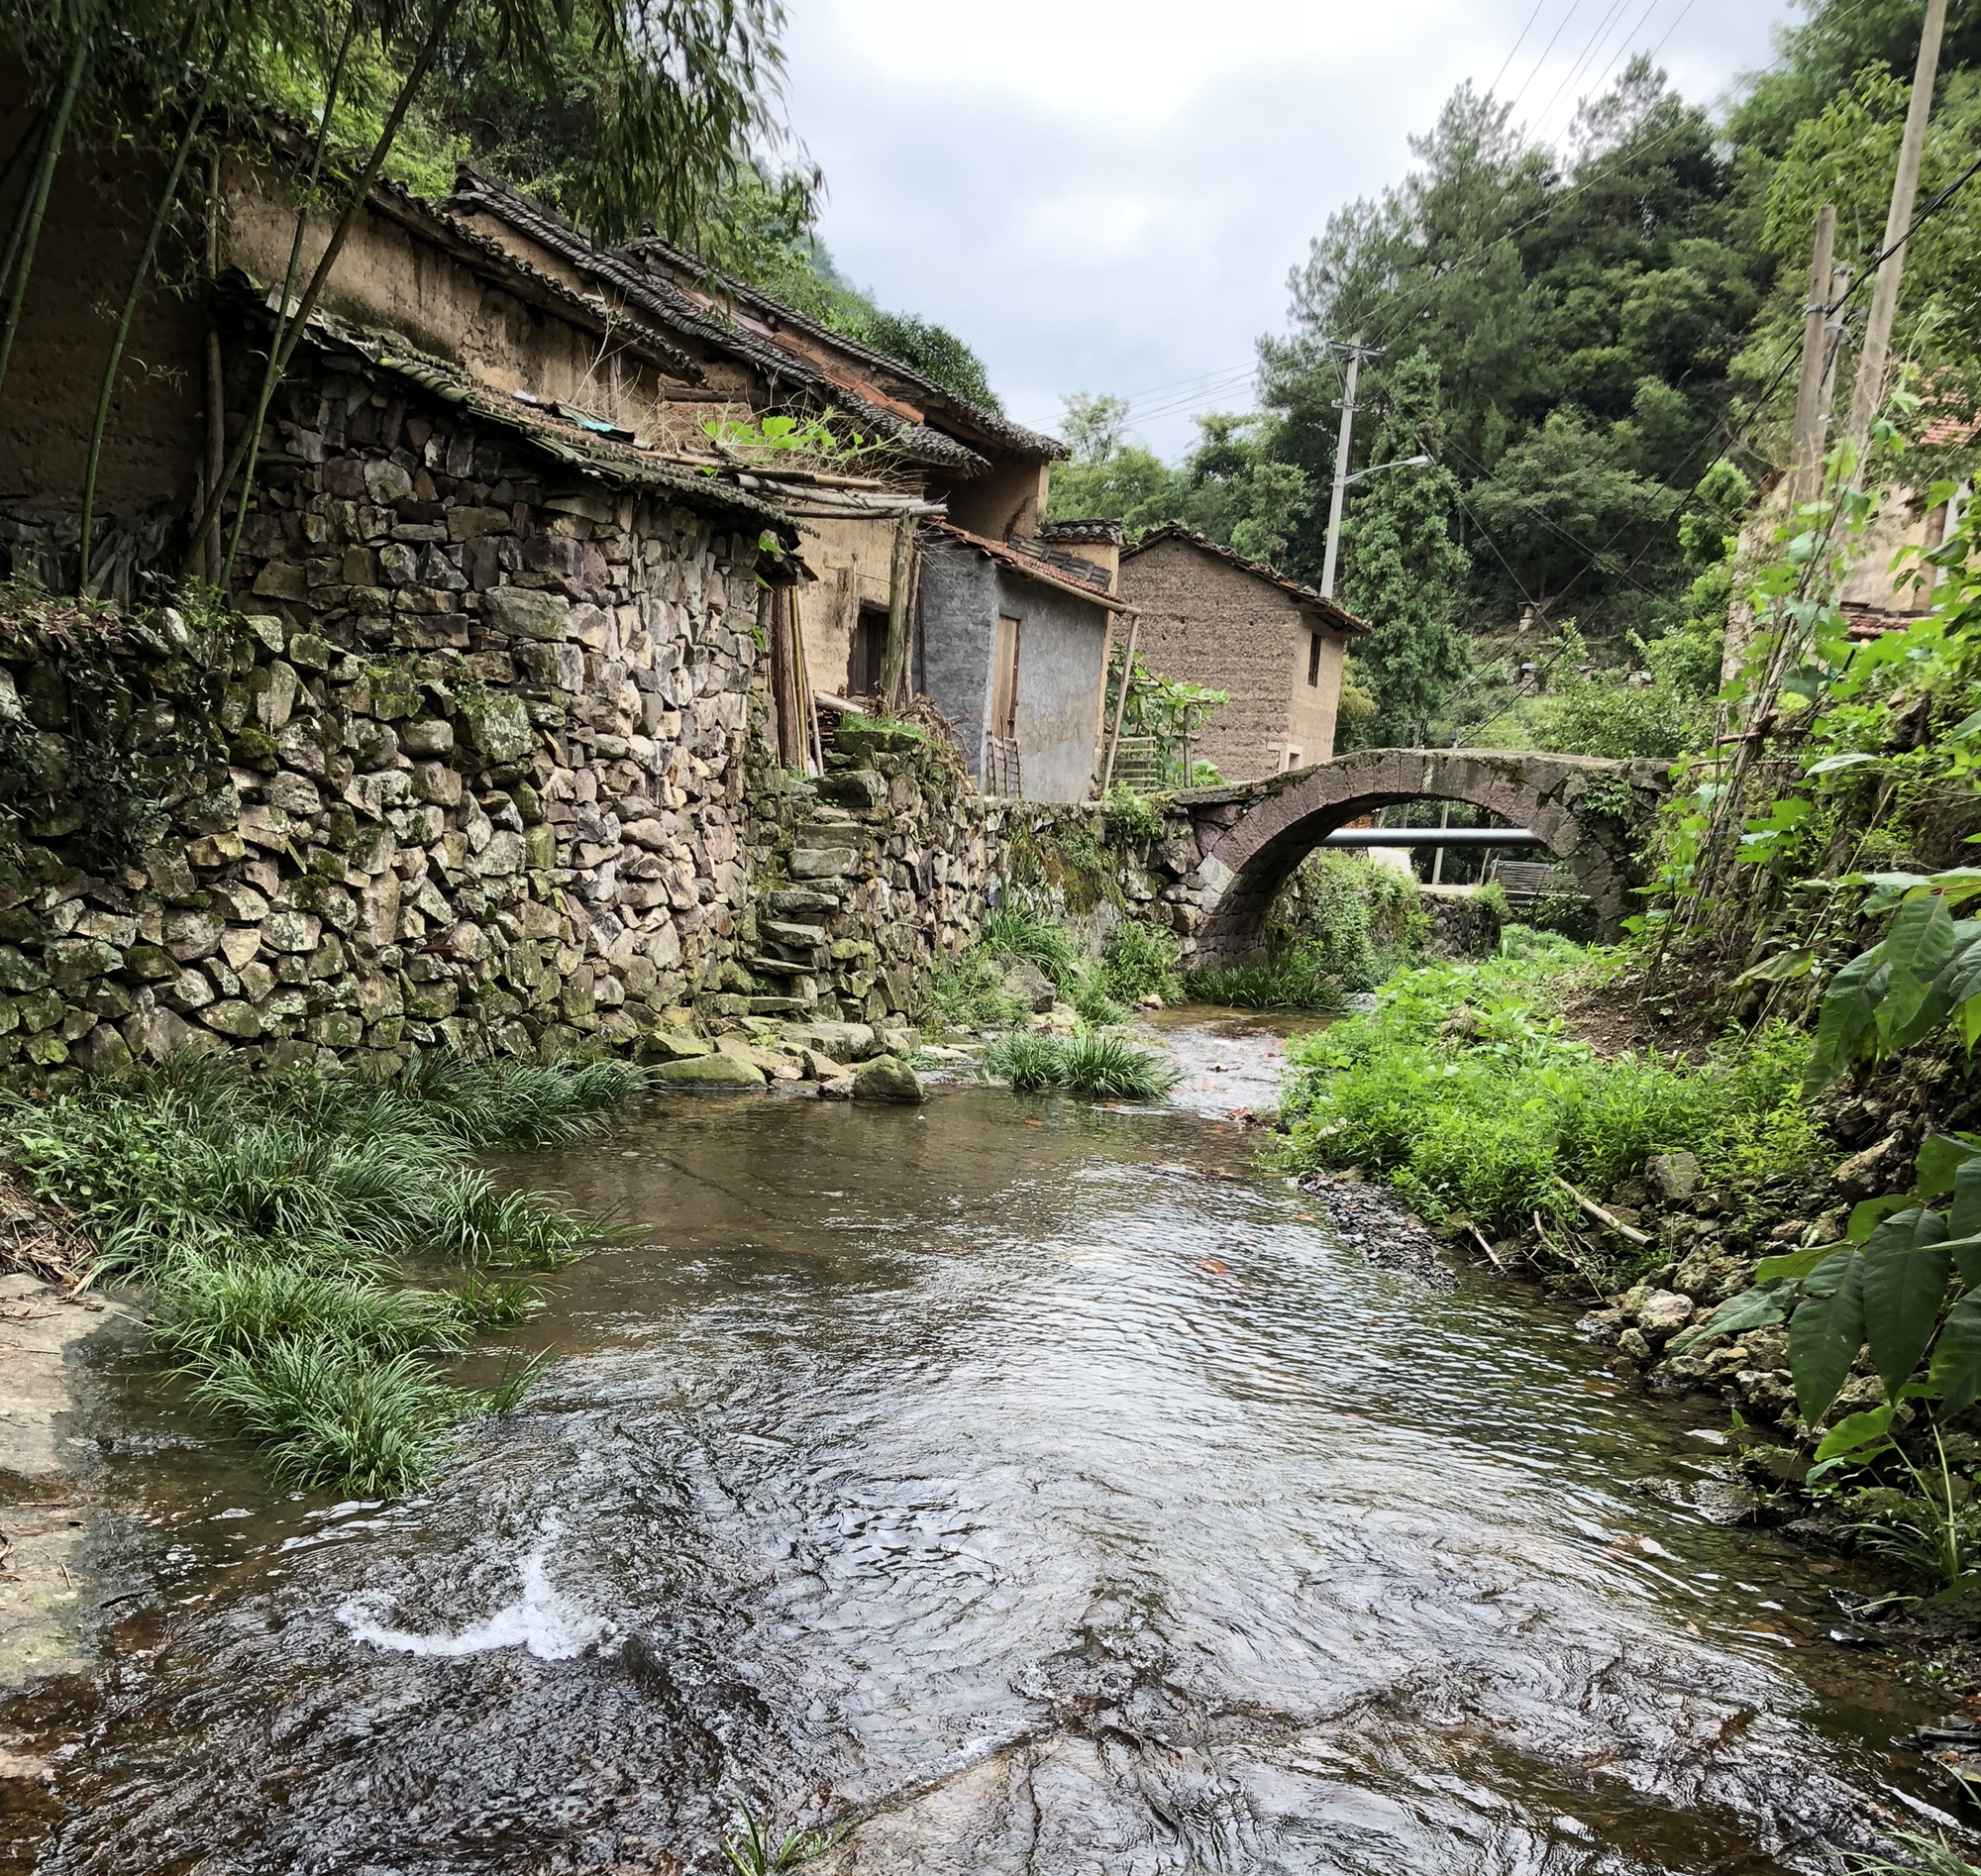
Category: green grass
[1138,961]
[271,1216]
[1109,1068]
[1464,1089]
[1290,977]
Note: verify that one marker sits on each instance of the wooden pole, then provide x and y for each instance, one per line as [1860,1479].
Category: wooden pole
[1869,392]
[1805,450]
[1121,700]
[894,658]
[776,616]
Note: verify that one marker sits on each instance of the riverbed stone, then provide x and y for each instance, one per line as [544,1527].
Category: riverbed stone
[886,1078]
[672,1045]
[1663,1313]
[1674,1176]
[1030,986]
[715,1070]
[843,1041]
[840,1087]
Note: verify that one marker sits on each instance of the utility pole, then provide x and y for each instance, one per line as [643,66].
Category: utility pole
[1356,354]
[1806,455]
[1870,388]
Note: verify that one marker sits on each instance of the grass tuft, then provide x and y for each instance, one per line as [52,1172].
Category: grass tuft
[271,1216]
[1292,976]
[1110,1067]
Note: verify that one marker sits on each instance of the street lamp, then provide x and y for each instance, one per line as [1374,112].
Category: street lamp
[1341,482]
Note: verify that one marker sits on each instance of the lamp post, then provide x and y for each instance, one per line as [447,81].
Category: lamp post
[1341,483]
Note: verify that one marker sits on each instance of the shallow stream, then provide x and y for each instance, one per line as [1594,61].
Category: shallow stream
[1026,1486]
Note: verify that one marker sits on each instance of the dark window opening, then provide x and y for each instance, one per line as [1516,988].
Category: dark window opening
[1314,658]
[869,645]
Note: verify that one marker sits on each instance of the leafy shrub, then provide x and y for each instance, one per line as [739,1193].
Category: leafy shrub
[1140,961]
[1464,1089]
[1110,1067]
[1366,920]
[270,1215]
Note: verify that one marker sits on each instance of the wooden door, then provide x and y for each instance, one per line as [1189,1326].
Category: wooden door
[1004,680]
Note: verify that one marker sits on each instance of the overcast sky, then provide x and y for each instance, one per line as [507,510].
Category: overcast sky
[1106,196]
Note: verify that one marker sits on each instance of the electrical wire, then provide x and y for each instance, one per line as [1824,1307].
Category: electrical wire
[1517,44]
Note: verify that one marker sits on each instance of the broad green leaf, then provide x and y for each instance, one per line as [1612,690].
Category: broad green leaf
[1855,1430]
[1750,1309]
[1848,1008]
[1970,1024]
[1791,1264]
[1917,948]
[1906,1266]
[1964,1217]
[1830,765]
[1957,979]
[1872,1212]
[1956,1357]
[1827,1331]
[1939,1159]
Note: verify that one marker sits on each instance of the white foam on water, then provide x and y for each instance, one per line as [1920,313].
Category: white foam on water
[542,1619]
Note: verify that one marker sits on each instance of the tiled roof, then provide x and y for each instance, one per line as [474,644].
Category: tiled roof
[1865,623]
[988,426]
[703,318]
[1337,616]
[1019,562]
[1086,533]
[562,441]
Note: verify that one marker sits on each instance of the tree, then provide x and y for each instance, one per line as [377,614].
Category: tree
[1402,571]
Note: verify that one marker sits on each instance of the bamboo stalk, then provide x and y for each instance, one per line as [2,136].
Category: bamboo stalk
[36,199]
[107,390]
[893,661]
[1639,1238]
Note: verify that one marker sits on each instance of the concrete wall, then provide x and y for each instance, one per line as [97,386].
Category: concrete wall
[1208,622]
[1062,641]
[958,623]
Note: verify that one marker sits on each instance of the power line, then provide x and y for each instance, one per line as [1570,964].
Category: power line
[1588,52]
[1574,7]
[1517,44]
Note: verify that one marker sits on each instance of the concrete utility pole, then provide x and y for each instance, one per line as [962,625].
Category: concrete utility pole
[1356,354]
[1870,389]
[1805,458]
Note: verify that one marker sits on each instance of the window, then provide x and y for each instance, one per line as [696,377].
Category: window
[1292,759]
[864,655]
[1004,680]
[1312,660]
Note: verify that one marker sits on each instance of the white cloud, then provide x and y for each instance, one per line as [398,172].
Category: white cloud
[1106,196]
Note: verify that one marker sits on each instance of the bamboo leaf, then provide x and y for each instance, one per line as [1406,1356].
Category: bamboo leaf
[1827,1331]
[1956,1357]
[1904,1272]
[1779,968]
[1848,1010]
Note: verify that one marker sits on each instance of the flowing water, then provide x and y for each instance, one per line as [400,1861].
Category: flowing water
[1026,1486]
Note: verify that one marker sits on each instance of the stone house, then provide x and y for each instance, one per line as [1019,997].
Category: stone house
[1209,616]
[1011,646]
[493,764]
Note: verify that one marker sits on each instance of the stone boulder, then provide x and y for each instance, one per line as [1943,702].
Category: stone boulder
[1663,1313]
[887,1078]
[1674,1176]
[712,1070]
[1030,986]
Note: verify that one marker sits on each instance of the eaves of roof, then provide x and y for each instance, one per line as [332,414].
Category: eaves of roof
[1342,620]
[991,426]
[1024,564]
[663,298]
[561,443]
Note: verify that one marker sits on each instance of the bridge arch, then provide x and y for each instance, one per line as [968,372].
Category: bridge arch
[1252,837]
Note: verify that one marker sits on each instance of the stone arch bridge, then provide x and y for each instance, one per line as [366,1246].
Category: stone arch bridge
[1589,813]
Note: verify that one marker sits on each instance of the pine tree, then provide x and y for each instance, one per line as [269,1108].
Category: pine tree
[1402,569]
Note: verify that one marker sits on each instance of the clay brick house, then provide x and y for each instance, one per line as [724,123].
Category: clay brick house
[1213,617]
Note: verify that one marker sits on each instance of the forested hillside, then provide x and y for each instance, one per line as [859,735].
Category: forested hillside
[1597,346]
